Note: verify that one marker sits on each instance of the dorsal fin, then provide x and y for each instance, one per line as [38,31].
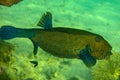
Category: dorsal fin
[46,21]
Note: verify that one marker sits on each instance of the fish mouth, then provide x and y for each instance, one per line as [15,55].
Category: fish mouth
[100,54]
[109,53]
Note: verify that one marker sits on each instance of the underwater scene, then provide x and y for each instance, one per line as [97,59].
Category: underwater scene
[59,39]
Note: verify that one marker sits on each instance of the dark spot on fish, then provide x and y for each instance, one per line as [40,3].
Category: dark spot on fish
[97,39]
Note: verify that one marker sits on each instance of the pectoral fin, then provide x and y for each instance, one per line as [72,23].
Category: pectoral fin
[46,21]
[86,57]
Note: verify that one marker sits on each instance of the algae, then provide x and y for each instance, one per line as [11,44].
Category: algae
[5,56]
[108,69]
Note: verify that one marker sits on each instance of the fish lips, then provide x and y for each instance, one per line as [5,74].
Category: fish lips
[109,53]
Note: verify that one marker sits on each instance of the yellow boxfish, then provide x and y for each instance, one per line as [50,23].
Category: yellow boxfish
[62,42]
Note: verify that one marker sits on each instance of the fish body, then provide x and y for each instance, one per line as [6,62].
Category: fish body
[62,42]
[67,42]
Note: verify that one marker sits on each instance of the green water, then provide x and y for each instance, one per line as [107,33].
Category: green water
[101,17]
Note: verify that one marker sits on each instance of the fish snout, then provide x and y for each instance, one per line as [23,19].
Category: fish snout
[109,53]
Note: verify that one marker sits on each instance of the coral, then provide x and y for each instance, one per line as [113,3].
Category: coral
[3,75]
[108,69]
[5,53]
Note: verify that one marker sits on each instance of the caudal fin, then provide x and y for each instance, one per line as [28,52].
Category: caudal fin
[9,32]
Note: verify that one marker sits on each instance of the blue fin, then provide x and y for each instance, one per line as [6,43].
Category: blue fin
[86,57]
[9,32]
[46,21]
[35,63]
[35,47]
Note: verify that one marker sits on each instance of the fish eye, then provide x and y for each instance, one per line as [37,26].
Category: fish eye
[97,38]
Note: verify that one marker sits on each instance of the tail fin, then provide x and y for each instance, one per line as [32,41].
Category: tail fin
[9,32]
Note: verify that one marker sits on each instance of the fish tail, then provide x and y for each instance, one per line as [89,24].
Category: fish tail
[9,32]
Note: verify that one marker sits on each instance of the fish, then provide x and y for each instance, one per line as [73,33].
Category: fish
[9,3]
[62,42]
